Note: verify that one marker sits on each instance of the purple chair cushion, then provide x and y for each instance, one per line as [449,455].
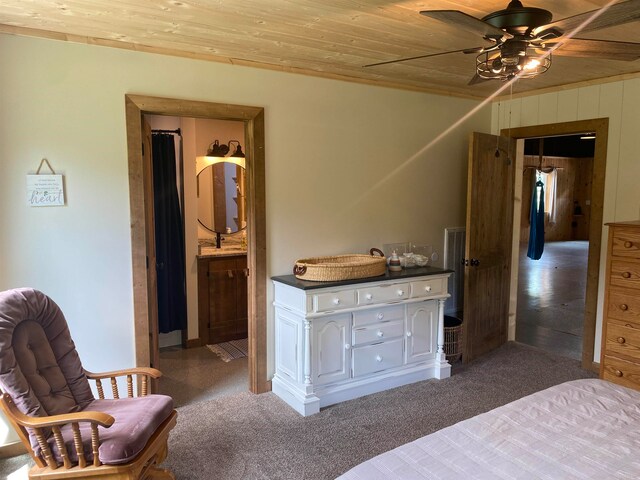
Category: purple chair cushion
[136,419]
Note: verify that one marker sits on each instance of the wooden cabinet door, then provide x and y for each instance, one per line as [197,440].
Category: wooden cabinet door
[331,349]
[222,300]
[489,242]
[422,320]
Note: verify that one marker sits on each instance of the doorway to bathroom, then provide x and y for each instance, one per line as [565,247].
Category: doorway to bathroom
[143,245]
[201,255]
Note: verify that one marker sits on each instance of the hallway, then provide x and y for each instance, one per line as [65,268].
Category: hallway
[551,298]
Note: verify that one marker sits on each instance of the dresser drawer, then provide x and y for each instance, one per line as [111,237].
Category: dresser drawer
[625,273]
[378,332]
[626,243]
[377,315]
[378,357]
[623,305]
[327,302]
[383,293]
[427,288]
[621,372]
[623,339]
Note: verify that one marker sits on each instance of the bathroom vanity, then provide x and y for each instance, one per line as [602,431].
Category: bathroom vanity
[335,341]
[222,295]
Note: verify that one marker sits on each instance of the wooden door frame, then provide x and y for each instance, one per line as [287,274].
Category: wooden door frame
[253,117]
[601,128]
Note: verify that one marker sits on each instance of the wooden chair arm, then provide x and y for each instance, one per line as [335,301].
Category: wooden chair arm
[142,373]
[102,419]
[151,372]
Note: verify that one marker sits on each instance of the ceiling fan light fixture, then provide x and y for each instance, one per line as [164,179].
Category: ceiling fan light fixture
[533,62]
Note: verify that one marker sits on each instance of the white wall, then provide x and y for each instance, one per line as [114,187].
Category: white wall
[336,178]
[620,103]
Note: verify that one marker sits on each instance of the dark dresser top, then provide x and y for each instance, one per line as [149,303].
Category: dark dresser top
[406,273]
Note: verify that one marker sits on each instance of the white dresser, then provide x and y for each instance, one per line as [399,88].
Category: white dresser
[336,341]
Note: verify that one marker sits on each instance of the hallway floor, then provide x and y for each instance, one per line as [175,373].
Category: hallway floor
[196,374]
[551,297]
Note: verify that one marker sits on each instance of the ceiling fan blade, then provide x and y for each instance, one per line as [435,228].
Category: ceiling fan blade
[465,50]
[617,14]
[476,79]
[582,47]
[468,23]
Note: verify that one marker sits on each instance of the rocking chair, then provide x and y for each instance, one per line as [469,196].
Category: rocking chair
[47,398]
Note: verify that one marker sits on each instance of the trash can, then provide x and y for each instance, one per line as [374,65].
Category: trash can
[452,338]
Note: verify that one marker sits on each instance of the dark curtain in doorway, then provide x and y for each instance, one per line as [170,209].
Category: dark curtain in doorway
[170,264]
[536,222]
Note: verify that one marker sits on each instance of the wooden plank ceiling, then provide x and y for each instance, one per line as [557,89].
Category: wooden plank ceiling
[332,38]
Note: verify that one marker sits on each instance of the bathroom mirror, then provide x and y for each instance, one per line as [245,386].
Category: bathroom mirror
[221,198]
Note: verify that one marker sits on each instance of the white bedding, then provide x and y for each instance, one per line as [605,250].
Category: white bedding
[576,430]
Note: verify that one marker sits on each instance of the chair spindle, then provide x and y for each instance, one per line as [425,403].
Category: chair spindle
[100,390]
[62,448]
[144,386]
[77,440]
[129,386]
[95,444]
[114,388]
[46,451]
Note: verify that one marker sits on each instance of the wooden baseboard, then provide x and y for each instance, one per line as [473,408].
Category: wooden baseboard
[193,343]
[12,450]
[595,366]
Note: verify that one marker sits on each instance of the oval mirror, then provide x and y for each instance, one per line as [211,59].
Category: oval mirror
[221,199]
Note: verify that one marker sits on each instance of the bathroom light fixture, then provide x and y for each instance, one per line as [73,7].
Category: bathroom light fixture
[217,153]
[588,136]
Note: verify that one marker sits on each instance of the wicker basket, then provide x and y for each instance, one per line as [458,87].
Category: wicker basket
[452,338]
[341,267]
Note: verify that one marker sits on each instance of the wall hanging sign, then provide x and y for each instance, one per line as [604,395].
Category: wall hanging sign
[45,190]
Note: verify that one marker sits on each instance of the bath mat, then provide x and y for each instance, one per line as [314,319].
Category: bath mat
[232,350]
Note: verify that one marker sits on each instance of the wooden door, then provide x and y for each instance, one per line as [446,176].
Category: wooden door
[152,281]
[489,243]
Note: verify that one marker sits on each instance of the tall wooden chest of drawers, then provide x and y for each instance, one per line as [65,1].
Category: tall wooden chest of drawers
[620,358]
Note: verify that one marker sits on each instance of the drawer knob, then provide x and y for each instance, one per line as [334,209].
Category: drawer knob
[378,358]
[628,244]
[624,307]
[408,334]
[626,275]
[347,346]
[380,316]
[427,288]
[617,373]
[336,301]
[380,333]
[620,340]
[400,293]
[368,296]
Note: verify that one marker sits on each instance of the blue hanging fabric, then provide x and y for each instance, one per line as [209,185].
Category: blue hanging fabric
[536,221]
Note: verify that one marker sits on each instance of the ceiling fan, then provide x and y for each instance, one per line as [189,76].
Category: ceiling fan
[521,39]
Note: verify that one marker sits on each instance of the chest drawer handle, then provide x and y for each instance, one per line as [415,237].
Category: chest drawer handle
[427,288]
[347,346]
[624,307]
[368,296]
[380,316]
[400,293]
[626,275]
[617,373]
[378,358]
[628,244]
[408,334]
[380,333]
[620,340]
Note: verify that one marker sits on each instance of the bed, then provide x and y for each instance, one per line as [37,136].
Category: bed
[583,429]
